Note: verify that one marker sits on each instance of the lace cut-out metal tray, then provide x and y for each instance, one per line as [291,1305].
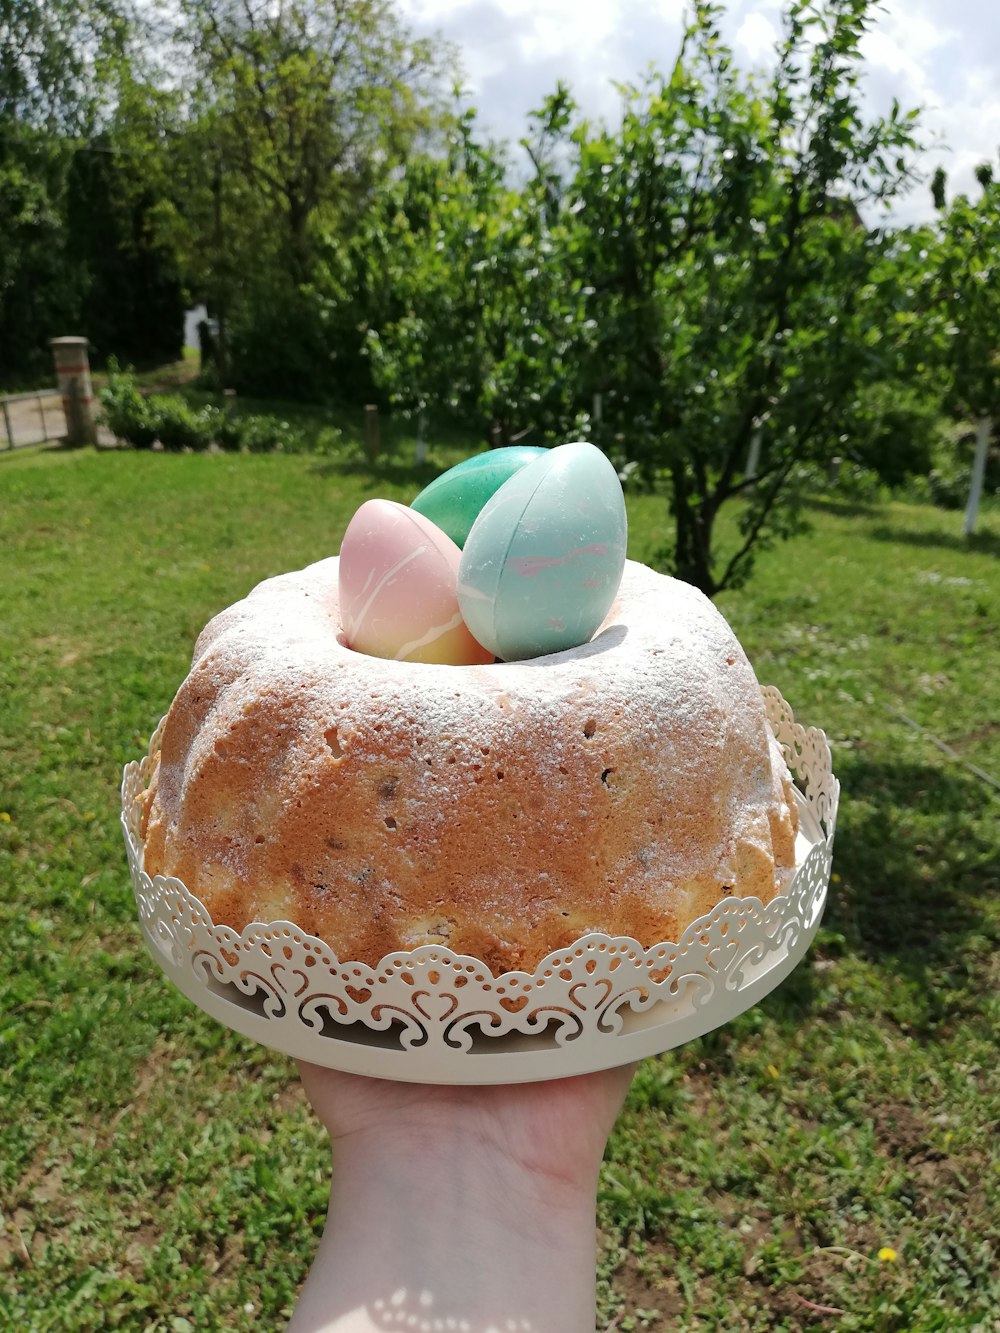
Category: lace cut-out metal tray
[432,1016]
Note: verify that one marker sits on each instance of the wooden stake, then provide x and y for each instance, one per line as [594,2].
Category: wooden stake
[373,442]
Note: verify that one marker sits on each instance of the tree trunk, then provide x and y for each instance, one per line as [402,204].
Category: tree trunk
[692,539]
[298,238]
[221,303]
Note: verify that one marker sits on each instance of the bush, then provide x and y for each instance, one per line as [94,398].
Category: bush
[266,435]
[894,430]
[227,429]
[179,426]
[171,419]
[141,421]
[278,349]
[125,411]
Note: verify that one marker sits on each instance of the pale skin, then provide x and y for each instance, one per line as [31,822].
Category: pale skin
[459,1210]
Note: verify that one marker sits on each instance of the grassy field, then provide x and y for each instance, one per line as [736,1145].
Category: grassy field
[827,1161]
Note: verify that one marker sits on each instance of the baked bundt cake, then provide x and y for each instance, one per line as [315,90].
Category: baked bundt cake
[624,786]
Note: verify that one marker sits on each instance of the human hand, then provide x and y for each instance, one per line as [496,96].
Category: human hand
[474,1204]
[553,1129]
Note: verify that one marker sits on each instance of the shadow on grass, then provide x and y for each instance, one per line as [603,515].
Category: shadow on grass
[916,858]
[387,469]
[845,506]
[983,543]
[916,869]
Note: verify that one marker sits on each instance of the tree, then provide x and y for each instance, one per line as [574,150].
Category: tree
[967,281]
[735,289]
[301,112]
[52,53]
[483,324]
[55,63]
[132,302]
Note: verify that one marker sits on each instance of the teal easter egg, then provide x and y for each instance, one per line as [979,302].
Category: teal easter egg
[454,500]
[544,559]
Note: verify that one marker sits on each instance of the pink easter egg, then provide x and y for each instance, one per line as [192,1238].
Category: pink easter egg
[398,589]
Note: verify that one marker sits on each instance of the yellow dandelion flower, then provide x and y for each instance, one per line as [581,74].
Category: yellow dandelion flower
[4,817]
[835,878]
[887,1255]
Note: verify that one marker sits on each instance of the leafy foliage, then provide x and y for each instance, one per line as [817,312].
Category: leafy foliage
[967,283]
[488,318]
[178,425]
[133,300]
[126,412]
[733,285]
[704,268]
[300,114]
[708,290]
[49,53]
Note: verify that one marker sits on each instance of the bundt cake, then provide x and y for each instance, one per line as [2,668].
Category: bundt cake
[504,810]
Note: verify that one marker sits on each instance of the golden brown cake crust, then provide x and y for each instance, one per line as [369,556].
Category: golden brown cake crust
[624,786]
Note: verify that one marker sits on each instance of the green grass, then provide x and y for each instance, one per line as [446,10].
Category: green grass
[160,1173]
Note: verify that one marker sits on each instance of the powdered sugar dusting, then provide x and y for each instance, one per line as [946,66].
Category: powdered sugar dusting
[615,786]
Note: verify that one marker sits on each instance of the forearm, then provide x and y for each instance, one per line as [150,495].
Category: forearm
[452,1235]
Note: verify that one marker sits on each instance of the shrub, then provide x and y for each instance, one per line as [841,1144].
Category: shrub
[278,347]
[227,429]
[265,435]
[894,430]
[179,426]
[125,411]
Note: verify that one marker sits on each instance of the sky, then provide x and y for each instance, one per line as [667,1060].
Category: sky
[941,55]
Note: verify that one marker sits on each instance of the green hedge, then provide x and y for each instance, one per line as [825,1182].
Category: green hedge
[177,425]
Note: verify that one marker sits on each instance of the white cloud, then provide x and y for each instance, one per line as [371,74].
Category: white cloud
[944,57]
[756,37]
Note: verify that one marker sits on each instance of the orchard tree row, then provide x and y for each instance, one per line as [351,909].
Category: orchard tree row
[709,290]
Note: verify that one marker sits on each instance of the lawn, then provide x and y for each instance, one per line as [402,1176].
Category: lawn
[827,1161]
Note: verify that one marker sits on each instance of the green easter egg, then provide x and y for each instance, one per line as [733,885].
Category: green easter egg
[545,558]
[454,500]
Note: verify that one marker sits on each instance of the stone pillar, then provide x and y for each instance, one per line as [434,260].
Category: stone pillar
[73,378]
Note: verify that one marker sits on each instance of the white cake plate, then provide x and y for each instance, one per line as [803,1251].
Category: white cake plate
[432,1016]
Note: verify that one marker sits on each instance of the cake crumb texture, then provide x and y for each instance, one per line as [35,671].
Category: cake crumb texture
[625,786]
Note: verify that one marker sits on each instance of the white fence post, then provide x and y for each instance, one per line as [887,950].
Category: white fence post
[753,457]
[978,473]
